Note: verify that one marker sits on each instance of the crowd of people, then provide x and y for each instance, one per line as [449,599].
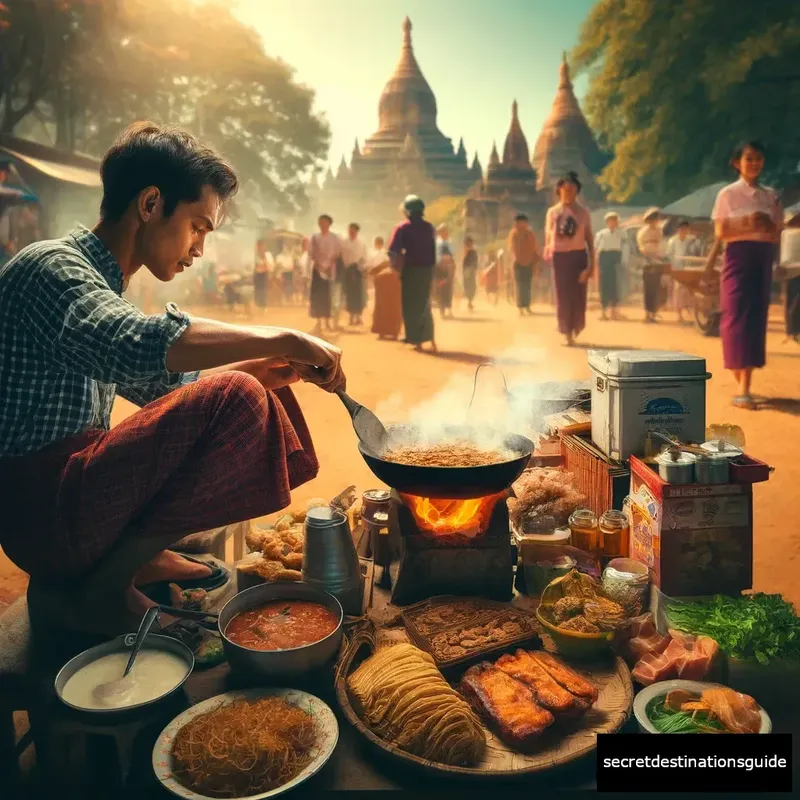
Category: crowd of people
[421,268]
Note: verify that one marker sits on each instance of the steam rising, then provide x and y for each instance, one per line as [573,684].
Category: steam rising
[494,414]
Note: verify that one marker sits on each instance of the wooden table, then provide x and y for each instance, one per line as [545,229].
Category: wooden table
[356,766]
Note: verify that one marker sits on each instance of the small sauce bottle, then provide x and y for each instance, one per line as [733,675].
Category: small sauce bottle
[614,534]
[585,530]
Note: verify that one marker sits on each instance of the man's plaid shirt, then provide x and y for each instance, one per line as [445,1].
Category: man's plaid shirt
[69,342]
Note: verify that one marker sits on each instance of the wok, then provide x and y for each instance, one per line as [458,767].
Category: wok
[452,483]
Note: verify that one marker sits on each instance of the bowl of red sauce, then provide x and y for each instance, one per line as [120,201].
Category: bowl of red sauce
[281,630]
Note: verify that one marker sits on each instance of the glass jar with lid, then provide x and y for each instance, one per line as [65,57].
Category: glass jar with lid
[614,534]
[585,530]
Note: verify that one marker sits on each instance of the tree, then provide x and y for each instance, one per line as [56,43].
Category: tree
[674,86]
[37,39]
[190,65]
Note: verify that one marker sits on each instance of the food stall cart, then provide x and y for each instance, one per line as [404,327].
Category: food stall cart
[434,606]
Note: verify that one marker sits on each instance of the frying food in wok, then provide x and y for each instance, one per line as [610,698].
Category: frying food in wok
[448,454]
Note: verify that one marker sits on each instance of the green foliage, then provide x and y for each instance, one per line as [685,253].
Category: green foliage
[675,86]
[448,210]
[171,61]
[758,627]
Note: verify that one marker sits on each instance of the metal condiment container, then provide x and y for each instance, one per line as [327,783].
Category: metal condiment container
[676,468]
[625,581]
[330,561]
[714,468]
[719,446]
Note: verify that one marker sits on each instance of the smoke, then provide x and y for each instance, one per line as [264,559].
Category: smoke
[489,416]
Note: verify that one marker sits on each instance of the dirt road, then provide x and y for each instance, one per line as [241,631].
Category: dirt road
[393,380]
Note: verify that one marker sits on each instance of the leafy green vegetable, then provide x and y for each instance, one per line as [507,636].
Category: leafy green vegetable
[667,721]
[758,627]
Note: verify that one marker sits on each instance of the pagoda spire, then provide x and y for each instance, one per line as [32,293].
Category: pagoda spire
[476,170]
[564,77]
[515,149]
[343,171]
[407,34]
[462,151]
[494,158]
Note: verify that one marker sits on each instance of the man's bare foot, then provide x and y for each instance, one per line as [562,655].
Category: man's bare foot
[434,348]
[169,566]
[418,348]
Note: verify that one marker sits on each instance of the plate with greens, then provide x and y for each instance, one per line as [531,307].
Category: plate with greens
[682,707]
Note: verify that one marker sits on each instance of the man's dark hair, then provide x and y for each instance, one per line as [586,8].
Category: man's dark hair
[325,216]
[146,154]
[570,177]
[521,218]
[684,223]
[355,226]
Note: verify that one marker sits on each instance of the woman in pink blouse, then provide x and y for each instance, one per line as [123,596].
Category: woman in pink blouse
[570,245]
[747,220]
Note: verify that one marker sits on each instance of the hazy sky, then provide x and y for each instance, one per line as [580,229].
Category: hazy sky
[478,55]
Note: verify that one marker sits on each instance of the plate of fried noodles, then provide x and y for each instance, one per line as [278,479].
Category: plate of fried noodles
[250,744]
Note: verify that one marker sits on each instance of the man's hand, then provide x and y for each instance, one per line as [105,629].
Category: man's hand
[271,373]
[761,221]
[315,360]
[585,275]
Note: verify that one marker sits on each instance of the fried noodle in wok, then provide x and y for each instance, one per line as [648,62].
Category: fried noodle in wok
[243,748]
[448,454]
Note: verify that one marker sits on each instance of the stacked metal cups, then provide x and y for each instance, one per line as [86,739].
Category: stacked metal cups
[330,561]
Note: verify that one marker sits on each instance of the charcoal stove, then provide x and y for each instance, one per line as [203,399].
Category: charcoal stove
[450,524]
[451,546]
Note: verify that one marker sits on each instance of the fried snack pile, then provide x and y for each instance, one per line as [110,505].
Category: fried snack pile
[406,701]
[577,603]
[543,492]
[276,554]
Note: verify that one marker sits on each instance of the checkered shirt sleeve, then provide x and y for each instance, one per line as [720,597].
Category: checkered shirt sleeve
[84,326]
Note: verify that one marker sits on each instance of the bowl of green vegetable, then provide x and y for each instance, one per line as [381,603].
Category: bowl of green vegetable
[653,716]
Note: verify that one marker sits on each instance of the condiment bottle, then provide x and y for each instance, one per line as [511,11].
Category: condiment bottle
[614,534]
[585,530]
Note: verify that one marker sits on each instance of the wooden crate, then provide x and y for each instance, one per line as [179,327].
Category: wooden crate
[604,482]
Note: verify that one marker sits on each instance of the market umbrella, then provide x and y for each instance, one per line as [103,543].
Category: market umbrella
[697,205]
[10,196]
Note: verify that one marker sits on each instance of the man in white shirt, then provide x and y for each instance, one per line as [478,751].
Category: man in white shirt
[608,247]
[354,258]
[324,253]
[650,241]
[681,245]
[284,269]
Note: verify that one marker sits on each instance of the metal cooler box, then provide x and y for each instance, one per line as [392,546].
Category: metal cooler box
[636,391]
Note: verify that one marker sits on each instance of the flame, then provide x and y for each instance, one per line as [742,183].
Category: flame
[465,517]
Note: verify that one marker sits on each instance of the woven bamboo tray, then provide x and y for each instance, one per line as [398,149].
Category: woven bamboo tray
[468,613]
[568,743]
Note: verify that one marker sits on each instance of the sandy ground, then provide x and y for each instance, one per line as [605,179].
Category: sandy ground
[393,380]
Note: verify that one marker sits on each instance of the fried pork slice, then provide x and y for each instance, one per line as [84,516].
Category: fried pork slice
[573,682]
[548,692]
[507,706]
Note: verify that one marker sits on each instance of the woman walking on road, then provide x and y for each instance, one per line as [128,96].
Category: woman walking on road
[569,242]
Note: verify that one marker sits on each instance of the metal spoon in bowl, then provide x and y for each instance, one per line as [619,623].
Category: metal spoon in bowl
[369,429]
[114,693]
